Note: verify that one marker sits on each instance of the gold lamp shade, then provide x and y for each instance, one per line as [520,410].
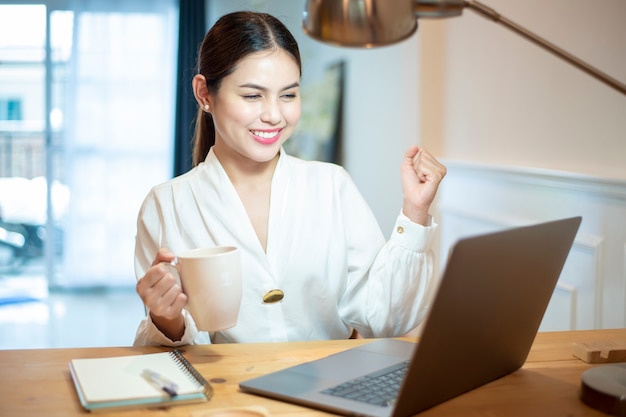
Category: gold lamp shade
[369,23]
[359,23]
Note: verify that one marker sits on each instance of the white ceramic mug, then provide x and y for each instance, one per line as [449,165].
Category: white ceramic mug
[211,279]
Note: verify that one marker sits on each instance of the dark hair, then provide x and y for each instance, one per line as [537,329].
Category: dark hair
[233,37]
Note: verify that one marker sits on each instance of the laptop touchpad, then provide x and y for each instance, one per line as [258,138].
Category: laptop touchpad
[350,364]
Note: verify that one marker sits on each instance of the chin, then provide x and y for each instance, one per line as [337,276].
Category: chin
[265,155]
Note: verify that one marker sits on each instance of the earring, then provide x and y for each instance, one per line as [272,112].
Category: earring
[206,107]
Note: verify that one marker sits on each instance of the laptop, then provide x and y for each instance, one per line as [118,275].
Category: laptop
[481,324]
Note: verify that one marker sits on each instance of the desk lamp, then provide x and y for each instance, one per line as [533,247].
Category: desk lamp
[371,23]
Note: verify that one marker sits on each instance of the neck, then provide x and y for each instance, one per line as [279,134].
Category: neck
[244,171]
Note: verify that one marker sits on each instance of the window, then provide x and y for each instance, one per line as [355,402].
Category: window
[10,109]
[104,73]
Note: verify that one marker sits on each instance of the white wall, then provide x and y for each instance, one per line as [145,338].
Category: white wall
[528,138]
[502,99]
[591,292]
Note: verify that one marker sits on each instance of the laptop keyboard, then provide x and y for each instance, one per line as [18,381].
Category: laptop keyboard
[379,388]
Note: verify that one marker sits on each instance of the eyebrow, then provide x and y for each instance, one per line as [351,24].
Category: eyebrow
[258,87]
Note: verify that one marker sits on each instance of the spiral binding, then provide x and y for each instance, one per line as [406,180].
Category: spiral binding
[189,369]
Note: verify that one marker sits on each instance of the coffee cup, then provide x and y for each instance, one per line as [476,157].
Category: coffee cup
[211,279]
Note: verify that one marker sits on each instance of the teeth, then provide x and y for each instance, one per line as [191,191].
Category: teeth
[264,135]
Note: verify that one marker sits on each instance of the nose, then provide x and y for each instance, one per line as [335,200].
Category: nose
[271,112]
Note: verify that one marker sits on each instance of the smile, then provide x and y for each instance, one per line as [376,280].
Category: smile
[265,136]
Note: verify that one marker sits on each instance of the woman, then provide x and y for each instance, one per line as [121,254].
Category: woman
[301,226]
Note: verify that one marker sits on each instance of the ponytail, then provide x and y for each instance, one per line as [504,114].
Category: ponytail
[203,136]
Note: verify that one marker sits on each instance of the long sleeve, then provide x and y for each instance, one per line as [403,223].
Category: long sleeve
[388,282]
[397,284]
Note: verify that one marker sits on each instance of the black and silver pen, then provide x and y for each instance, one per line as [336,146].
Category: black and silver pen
[164,384]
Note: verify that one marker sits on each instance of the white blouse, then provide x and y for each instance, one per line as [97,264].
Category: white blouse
[325,251]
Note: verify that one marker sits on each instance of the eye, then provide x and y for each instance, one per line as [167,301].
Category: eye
[251,97]
[290,96]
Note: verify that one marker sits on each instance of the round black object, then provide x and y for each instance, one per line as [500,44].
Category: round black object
[604,388]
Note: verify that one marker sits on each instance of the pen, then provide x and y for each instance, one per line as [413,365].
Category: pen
[161,382]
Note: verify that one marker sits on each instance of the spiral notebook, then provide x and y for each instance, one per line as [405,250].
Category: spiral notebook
[148,380]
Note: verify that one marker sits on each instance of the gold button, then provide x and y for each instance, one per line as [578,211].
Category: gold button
[273,296]
[400,229]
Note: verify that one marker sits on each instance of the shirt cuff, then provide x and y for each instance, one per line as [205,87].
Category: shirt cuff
[157,337]
[413,236]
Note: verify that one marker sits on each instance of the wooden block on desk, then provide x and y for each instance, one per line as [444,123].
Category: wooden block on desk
[606,351]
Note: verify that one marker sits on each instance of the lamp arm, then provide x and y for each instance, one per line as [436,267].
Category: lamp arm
[489,13]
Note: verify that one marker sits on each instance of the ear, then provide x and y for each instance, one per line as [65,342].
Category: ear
[200,90]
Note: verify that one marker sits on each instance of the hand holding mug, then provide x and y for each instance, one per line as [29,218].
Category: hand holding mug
[160,288]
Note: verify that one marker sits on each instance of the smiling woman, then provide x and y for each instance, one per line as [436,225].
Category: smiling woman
[308,240]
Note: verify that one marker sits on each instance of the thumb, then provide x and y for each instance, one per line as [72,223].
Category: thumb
[164,255]
[411,152]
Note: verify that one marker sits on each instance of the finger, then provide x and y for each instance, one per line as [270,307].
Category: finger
[411,152]
[407,168]
[428,168]
[170,303]
[421,158]
[157,280]
[154,275]
[163,255]
[174,300]
[422,164]
[161,294]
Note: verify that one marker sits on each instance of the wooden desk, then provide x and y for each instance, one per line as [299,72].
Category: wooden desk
[37,382]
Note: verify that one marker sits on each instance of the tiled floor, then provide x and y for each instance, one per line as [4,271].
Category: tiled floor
[44,319]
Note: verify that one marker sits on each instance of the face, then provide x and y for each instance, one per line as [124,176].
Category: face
[257,107]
